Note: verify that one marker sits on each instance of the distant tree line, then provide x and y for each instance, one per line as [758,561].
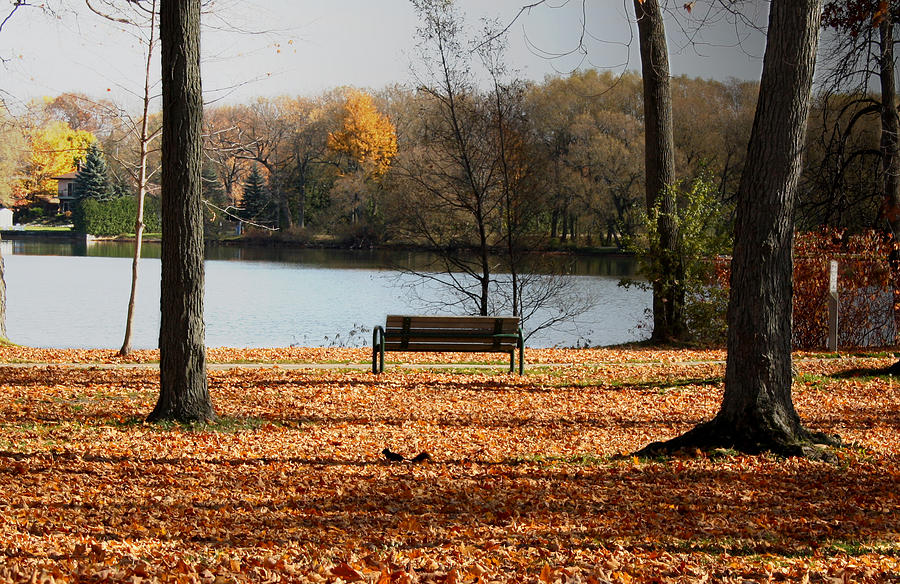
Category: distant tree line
[337,167]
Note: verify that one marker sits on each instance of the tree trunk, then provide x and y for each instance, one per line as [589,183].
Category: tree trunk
[659,160]
[890,127]
[757,408]
[301,205]
[3,336]
[183,392]
[485,260]
[757,412]
[890,147]
[142,190]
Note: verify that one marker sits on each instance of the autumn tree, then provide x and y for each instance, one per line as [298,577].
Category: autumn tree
[286,136]
[54,149]
[183,392]
[266,140]
[588,129]
[712,121]
[221,145]
[12,145]
[82,112]
[366,136]
[367,142]
[866,32]
[473,179]
[757,412]
[311,172]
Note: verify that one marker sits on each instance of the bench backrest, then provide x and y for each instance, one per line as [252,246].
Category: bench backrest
[451,333]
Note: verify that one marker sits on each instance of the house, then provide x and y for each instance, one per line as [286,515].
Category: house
[6,218]
[65,187]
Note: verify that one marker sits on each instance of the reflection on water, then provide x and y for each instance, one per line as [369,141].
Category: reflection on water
[376,259]
[71,295]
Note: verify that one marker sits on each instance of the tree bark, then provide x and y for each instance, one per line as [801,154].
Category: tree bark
[890,126]
[757,412]
[183,392]
[142,190]
[3,336]
[659,160]
[890,146]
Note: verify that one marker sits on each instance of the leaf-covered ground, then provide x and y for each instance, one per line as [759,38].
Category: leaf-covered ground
[523,484]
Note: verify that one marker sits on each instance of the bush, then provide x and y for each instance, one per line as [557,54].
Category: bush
[703,229]
[866,285]
[867,294]
[114,216]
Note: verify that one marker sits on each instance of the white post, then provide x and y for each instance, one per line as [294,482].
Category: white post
[833,307]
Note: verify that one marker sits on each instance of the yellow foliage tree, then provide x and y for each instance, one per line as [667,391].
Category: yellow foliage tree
[366,136]
[54,149]
[11,146]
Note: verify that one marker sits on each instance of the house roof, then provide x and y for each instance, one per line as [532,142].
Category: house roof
[67,176]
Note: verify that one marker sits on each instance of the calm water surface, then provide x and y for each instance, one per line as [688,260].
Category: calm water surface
[75,296]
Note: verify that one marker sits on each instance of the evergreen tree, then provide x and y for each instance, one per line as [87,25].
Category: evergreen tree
[211,187]
[256,201]
[121,188]
[93,177]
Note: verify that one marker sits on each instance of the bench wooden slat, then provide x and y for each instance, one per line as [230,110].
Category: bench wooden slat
[435,347]
[484,331]
[457,337]
[485,323]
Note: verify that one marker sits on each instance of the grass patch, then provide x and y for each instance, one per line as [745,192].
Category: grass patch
[552,459]
[49,228]
[223,425]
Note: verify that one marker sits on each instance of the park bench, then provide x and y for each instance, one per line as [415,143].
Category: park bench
[448,334]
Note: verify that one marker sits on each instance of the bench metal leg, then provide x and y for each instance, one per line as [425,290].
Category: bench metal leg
[520,346]
[377,350]
[521,343]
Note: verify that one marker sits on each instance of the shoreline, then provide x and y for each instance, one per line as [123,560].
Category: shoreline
[286,243]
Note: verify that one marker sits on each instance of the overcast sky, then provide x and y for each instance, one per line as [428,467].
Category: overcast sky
[272,47]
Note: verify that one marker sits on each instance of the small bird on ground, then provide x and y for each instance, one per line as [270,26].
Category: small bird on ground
[392,456]
[421,457]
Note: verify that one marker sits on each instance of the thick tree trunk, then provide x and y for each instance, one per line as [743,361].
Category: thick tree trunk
[757,412]
[890,127]
[183,392]
[659,159]
[890,146]
[3,336]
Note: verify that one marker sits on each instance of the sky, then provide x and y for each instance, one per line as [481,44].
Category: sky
[304,47]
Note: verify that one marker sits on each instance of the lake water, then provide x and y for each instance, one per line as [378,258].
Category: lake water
[67,295]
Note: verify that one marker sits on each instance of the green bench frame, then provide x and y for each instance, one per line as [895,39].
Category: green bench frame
[449,334]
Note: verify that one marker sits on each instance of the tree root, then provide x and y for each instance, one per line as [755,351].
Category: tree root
[716,435]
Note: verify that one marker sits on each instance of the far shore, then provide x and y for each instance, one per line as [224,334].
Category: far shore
[286,241]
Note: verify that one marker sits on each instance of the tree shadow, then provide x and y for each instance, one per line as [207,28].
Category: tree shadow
[756,508]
